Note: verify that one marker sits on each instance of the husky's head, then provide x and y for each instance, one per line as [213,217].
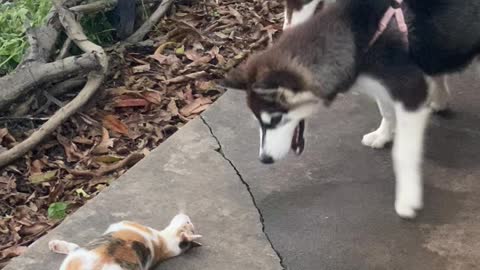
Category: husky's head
[298,11]
[279,93]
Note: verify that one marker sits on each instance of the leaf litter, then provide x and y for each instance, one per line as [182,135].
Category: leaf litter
[153,91]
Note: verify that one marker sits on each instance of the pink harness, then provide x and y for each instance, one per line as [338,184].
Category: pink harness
[394,10]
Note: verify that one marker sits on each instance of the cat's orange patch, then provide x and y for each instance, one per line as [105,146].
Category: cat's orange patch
[138,227]
[125,252]
[161,250]
[75,264]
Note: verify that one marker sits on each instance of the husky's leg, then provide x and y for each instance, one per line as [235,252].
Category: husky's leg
[384,133]
[407,159]
[439,94]
[62,247]
[477,65]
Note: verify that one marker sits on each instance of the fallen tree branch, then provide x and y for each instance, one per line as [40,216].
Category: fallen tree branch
[129,161]
[97,6]
[21,80]
[22,118]
[42,41]
[104,5]
[148,24]
[64,50]
[186,77]
[67,86]
[95,79]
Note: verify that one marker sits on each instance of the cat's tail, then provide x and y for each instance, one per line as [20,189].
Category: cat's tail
[62,247]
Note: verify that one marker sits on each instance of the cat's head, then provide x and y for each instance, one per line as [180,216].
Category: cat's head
[180,235]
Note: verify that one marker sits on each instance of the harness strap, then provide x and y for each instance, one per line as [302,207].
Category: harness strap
[396,11]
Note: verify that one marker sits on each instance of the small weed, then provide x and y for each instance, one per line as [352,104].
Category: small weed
[15,18]
[19,15]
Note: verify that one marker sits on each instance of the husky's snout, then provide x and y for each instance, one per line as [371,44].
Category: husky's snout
[275,143]
[266,159]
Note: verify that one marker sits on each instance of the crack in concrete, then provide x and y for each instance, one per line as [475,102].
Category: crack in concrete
[262,220]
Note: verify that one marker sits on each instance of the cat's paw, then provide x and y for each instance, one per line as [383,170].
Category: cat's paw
[62,247]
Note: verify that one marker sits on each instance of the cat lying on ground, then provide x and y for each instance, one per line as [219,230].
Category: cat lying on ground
[129,246]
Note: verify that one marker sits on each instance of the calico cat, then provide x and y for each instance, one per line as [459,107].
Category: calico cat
[129,246]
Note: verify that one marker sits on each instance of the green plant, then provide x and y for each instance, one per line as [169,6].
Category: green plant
[57,210]
[98,29]
[15,18]
[19,15]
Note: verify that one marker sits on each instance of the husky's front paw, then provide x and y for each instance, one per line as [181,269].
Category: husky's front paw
[407,208]
[377,139]
[439,106]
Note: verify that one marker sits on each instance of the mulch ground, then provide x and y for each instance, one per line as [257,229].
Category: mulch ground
[157,87]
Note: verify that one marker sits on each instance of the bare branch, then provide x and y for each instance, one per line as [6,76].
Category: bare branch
[147,25]
[67,86]
[64,50]
[187,77]
[94,7]
[21,80]
[129,161]
[95,79]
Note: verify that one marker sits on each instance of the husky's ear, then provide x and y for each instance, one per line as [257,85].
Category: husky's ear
[298,99]
[320,6]
[236,79]
[288,79]
[281,86]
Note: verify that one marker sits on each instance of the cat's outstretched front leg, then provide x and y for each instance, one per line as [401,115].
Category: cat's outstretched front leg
[62,247]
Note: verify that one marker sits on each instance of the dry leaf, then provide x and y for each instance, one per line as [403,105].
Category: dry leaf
[197,103]
[153,97]
[237,14]
[203,86]
[71,150]
[43,177]
[172,107]
[141,68]
[36,166]
[107,159]
[105,143]
[132,102]
[12,252]
[113,123]
[33,229]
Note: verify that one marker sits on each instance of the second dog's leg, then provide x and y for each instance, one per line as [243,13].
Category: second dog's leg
[439,94]
[407,159]
[384,133]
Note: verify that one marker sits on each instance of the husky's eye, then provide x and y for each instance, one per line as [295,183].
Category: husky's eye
[276,120]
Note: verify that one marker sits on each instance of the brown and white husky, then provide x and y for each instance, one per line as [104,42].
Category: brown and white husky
[299,11]
[129,246]
[331,53]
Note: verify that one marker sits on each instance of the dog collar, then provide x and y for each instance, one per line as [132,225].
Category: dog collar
[396,11]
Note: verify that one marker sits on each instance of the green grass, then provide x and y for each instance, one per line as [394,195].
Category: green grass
[15,18]
[98,29]
[19,15]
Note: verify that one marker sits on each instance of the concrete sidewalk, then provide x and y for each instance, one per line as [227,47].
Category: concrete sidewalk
[188,173]
[331,208]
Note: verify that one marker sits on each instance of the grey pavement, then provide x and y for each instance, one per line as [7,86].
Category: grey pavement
[184,173]
[331,208]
